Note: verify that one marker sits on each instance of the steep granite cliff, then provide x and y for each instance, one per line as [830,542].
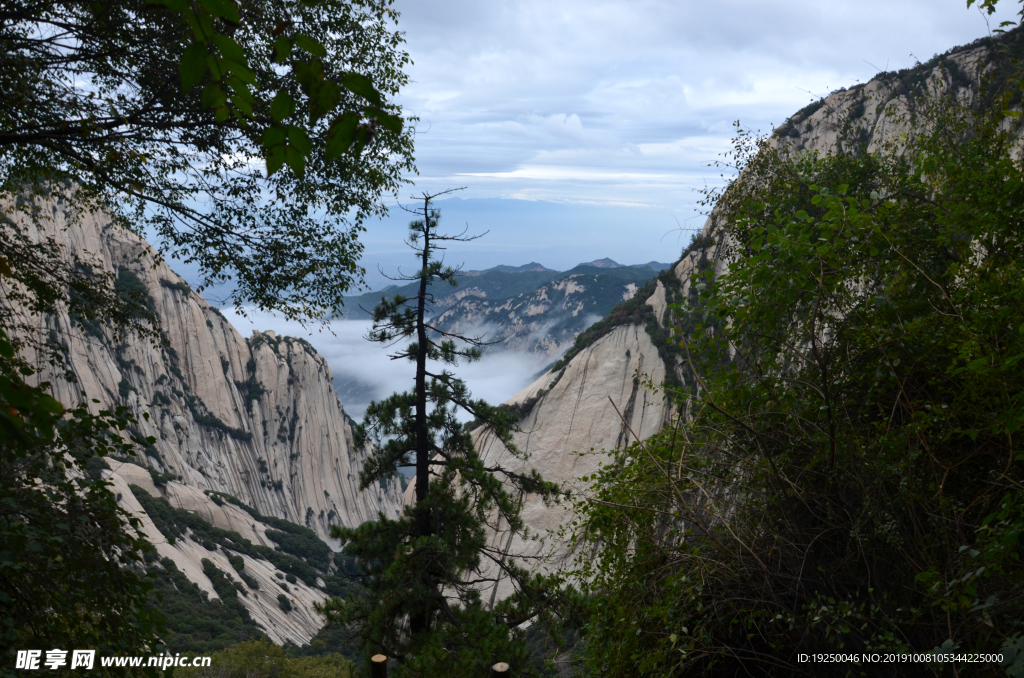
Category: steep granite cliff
[253,418]
[256,418]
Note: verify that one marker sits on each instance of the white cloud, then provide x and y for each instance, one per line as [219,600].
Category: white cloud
[363,371]
[505,88]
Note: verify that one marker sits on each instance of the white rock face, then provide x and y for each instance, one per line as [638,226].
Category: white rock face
[297,626]
[571,428]
[256,418]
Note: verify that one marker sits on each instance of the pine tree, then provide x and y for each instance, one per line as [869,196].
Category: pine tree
[425,571]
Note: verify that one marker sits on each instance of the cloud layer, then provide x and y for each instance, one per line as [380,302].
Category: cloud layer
[364,372]
[625,101]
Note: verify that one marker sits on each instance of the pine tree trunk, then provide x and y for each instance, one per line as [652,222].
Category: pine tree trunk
[419,623]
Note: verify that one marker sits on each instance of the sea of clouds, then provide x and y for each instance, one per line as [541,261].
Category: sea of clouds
[363,370]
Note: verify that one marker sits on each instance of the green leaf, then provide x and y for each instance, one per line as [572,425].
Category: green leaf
[309,75]
[299,140]
[310,45]
[241,90]
[324,100]
[201,25]
[295,160]
[193,66]
[274,136]
[217,66]
[229,48]
[362,86]
[222,8]
[214,96]
[240,103]
[282,106]
[392,123]
[240,71]
[975,365]
[341,134]
[282,49]
[51,405]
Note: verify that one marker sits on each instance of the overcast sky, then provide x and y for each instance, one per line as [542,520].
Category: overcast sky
[582,129]
[599,118]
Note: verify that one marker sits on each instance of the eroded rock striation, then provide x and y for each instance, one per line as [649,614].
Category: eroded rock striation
[256,418]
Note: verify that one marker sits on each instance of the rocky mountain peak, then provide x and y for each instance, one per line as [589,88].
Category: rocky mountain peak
[603,263]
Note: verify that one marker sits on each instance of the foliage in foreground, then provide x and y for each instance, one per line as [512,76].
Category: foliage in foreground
[70,563]
[263,659]
[171,108]
[851,477]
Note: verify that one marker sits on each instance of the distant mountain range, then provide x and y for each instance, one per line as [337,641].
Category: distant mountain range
[597,263]
[525,308]
[501,268]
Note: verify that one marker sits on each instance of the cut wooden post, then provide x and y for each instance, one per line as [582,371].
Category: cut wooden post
[378,666]
[500,670]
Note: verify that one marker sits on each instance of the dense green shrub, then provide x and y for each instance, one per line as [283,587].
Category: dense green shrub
[302,542]
[296,540]
[161,479]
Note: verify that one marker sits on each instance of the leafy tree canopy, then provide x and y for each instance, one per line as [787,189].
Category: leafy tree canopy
[163,115]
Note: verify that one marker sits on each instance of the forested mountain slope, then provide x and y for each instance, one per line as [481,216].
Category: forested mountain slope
[547,319]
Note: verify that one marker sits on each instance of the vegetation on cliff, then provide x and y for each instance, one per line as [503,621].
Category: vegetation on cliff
[851,477]
[153,115]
